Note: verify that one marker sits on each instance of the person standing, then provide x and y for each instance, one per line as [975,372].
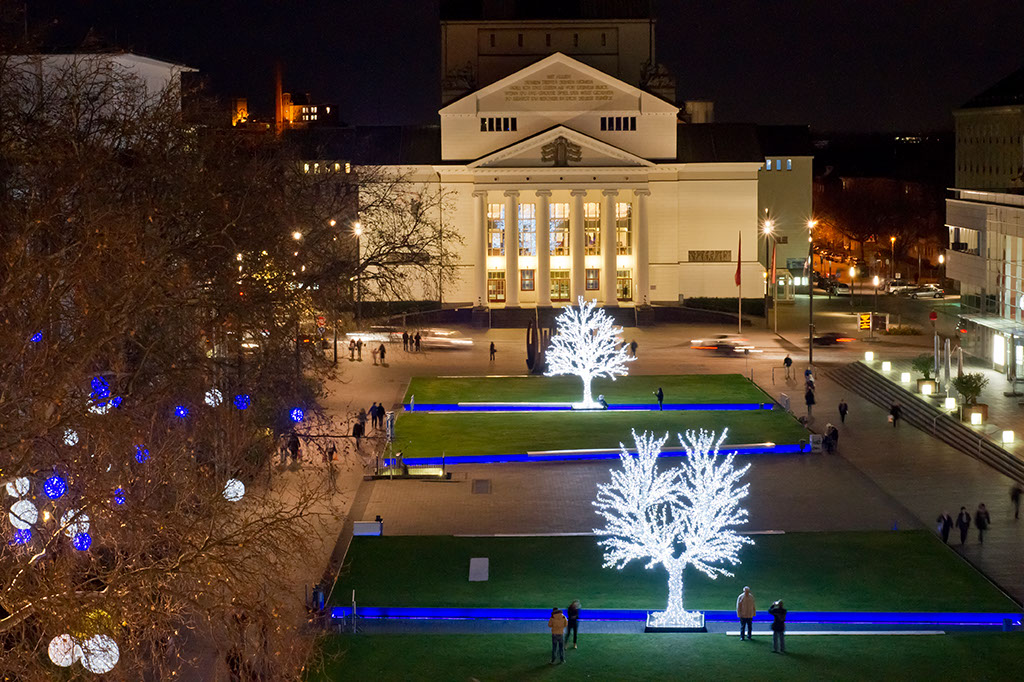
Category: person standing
[833,434]
[383,351]
[982,521]
[351,349]
[843,409]
[574,621]
[374,355]
[373,416]
[357,431]
[660,395]
[405,340]
[293,446]
[745,611]
[381,414]
[944,524]
[359,350]
[788,364]
[894,414]
[632,347]
[1015,493]
[557,623]
[493,351]
[778,611]
[417,339]
[809,399]
[963,523]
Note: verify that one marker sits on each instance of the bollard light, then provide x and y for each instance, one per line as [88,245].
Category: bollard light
[869,356]
[1007,436]
[950,403]
[926,389]
[905,377]
[975,418]
[886,366]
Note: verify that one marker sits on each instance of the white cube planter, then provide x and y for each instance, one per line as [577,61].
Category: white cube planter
[1007,437]
[886,366]
[905,377]
[869,356]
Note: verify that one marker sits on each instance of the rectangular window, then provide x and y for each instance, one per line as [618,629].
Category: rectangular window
[632,122]
[604,40]
[618,123]
[496,286]
[624,123]
[483,125]
[527,229]
[559,229]
[559,285]
[789,164]
[624,229]
[495,229]
[498,125]
[513,124]
[490,125]
[767,164]
[526,280]
[575,39]
[519,40]
[604,123]
[505,125]
[592,229]
[492,40]
[593,279]
[624,285]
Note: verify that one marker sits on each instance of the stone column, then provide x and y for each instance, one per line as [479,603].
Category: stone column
[512,248]
[543,279]
[608,248]
[480,221]
[641,255]
[578,273]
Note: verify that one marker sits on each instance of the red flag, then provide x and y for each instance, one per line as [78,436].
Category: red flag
[772,280]
[739,258]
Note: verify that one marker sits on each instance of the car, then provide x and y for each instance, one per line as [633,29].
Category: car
[443,339]
[831,339]
[927,291]
[896,286]
[726,344]
[839,289]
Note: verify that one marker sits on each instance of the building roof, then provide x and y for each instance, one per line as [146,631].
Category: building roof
[541,10]
[791,140]
[373,145]
[1007,92]
[717,143]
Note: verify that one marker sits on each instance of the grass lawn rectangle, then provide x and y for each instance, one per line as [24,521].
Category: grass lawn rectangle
[856,571]
[422,434]
[974,656]
[686,388]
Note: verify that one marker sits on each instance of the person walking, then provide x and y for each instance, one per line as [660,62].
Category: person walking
[357,431]
[557,623]
[383,351]
[745,611]
[293,446]
[843,409]
[632,347]
[788,364]
[417,339]
[351,349]
[963,523]
[373,416]
[493,351]
[405,340]
[833,434]
[660,395]
[809,399]
[574,621]
[894,414]
[778,611]
[982,521]
[381,414]
[944,524]
[374,355]
[359,350]
[1015,493]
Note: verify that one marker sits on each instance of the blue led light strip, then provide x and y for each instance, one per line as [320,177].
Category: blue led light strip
[837,617]
[566,407]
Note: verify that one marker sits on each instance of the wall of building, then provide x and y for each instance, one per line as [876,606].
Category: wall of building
[990,147]
[785,192]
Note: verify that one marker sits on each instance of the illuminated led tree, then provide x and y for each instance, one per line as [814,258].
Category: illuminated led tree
[588,345]
[675,517]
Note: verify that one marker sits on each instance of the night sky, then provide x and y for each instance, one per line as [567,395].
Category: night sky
[859,65]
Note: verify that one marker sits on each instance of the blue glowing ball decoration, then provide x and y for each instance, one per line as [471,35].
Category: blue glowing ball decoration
[21,536]
[119,497]
[141,454]
[180,411]
[297,415]
[81,541]
[242,401]
[55,487]
[116,401]
[36,338]
[100,388]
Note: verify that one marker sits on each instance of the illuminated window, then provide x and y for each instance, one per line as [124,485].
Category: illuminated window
[789,164]
[496,286]
[495,229]
[592,229]
[767,164]
[624,229]
[624,285]
[305,168]
[492,125]
[593,279]
[559,229]
[559,285]
[527,229]
[526,280]
[348,167]
[337,167]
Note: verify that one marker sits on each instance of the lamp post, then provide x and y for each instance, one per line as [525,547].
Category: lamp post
[892,258]
[769,232]
[853,281]
[871,325]
[942,266]
[810,291]
[357,230]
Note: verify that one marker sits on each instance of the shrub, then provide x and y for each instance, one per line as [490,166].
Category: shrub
[970,386]
[923,364]
[904,330]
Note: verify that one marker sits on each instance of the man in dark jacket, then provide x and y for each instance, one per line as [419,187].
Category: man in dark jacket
[944,524]
[963,523]
[778,611]
[982,521]
[573,613]
[895,411]
[809,399]
[660,395]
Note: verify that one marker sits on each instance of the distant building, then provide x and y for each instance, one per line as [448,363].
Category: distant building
[990,137]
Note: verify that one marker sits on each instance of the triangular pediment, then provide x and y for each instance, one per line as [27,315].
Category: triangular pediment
[559,147]
[558,83]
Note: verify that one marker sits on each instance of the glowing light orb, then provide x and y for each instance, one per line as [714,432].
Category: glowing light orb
[18,487]
[180,411]
[119,497]
[81,541]
[21,536]
[23,514]
[63,650]
[214,397]
[297,414]
[55,487]
[234,490]
[70,437]
[100,654]
[74,522]
[141,454]
[242,401]
[36,338]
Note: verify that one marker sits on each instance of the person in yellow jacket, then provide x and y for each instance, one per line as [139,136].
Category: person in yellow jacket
[746,610]
[557,623]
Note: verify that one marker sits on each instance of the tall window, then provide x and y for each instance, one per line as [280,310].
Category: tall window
[526,279]
[559,285]
[624,229]
[592,229]
[624,285]
[496,286]
[495,229]
[559,229]
[527,229]
[593,279]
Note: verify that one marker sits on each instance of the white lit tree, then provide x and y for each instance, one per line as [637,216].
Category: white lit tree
[676,517]
[589,345]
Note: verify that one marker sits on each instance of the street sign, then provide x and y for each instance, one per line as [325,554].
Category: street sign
[321,330]
[321,321]
[933,316]
[864,321]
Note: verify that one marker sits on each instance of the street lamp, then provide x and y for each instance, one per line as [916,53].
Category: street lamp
[892,258]
[769,233]
[853,280]
[871,325]
[357,230]
[296,235]
[942,265]
[810,291]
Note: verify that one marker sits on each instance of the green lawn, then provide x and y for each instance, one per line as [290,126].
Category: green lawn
[419,434]
[859,571]
[974,656]
[686,388]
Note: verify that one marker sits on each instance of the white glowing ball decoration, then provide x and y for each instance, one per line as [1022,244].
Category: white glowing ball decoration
[74,522]
[23,515]
[98,654]
[214,397]
[18,487]
[64,650]
[234,490]
[70,437]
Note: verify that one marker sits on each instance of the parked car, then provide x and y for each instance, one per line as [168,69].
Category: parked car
[927,291]
[839,289]
[831,339]
[897,286]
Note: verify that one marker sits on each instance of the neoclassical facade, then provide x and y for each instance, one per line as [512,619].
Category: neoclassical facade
[567,182]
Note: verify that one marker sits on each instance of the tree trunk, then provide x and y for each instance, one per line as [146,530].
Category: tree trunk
[674,610]
[588,398]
